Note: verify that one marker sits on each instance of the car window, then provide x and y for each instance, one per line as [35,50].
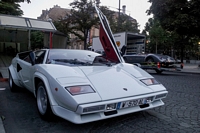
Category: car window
[25,56]
[130,59]
[75,58]
[27,59]
[39,56]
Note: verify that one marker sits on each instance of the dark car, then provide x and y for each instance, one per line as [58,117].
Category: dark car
[158,62]
[140,58]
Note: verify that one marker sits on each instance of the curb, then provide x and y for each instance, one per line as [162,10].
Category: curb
[2,130]
[188,71]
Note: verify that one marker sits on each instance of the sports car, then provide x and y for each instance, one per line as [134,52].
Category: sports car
[82,86]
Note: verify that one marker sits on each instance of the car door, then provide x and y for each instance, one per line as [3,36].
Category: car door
[25,70]
[107,39]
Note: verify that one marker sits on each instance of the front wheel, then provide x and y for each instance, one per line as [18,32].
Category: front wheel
[43,104]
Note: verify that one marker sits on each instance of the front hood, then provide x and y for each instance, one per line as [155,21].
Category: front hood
[114,82]
[65,75]
[110,82]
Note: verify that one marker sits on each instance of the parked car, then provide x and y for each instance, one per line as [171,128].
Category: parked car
[158,62]
[83,86]
[141,58]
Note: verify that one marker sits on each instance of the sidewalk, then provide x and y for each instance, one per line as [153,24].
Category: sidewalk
[191,68]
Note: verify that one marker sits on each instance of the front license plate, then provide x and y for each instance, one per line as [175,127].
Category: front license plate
[131,103]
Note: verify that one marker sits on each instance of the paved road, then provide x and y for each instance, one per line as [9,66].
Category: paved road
[180,114]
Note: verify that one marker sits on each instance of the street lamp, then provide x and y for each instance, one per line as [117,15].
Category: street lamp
[119,14]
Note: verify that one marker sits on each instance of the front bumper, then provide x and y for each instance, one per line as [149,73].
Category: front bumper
[80,116]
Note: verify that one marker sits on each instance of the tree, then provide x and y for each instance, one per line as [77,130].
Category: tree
[178,16]
[126,24]
[11,7]
[82,19]
[158,38]
[37,39]
[110,15]
[181,16]
[79,21]
[18,1]
[63,26]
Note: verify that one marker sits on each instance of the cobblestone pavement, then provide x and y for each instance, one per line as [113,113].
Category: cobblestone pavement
[180,114]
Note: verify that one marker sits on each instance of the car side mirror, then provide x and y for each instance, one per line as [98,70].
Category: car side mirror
[123,50]
[32,57]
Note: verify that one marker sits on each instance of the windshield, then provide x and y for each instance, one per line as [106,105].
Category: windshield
[76,58]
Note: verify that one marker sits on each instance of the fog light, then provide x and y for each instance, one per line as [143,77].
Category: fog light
[93,109]
[111,106]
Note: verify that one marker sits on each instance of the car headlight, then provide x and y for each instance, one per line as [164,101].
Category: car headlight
[76,90]
[150,81]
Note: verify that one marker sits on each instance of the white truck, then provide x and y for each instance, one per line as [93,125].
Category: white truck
[134,42]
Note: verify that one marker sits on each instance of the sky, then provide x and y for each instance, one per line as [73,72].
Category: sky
[134,8]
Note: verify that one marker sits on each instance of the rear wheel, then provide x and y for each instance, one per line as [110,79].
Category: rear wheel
[158,71]
[13,86]
[150,60]
[43,104]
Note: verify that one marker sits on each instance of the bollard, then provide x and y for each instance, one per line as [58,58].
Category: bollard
[182,65]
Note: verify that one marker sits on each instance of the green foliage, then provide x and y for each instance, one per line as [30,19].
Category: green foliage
[181,16]
[82,19]
[37,39]
[127,24]
[63,27]
[158,38]
[111,18]
[17,1]
[10,8]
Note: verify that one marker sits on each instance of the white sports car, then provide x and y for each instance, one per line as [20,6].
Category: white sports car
[83,86]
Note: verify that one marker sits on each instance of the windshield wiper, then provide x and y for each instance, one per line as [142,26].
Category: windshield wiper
[72,61]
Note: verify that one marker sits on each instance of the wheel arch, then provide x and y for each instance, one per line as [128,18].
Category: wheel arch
[149,57]
[38,77]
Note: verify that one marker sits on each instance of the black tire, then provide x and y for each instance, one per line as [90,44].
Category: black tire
[158,71]
[13,86]
[43,105]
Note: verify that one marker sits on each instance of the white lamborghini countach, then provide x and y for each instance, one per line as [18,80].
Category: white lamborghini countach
[83,86]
